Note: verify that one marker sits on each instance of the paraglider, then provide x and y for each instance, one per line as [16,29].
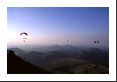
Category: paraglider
[24,34]
[67,42]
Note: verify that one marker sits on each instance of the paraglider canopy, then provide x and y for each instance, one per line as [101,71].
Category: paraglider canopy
[24,33]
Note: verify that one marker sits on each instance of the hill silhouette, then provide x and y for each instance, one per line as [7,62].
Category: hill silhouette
[16,65]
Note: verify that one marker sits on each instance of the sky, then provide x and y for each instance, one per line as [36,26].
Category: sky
[56,25]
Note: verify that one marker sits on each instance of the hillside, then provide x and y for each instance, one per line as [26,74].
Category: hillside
[16,65]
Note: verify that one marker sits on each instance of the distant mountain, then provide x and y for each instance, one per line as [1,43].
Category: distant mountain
[35,53]
[16,65]
[60,47]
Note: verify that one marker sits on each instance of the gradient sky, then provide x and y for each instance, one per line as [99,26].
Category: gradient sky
[55,25]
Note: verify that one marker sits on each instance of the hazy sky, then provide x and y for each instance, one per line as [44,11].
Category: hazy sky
[52,25]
